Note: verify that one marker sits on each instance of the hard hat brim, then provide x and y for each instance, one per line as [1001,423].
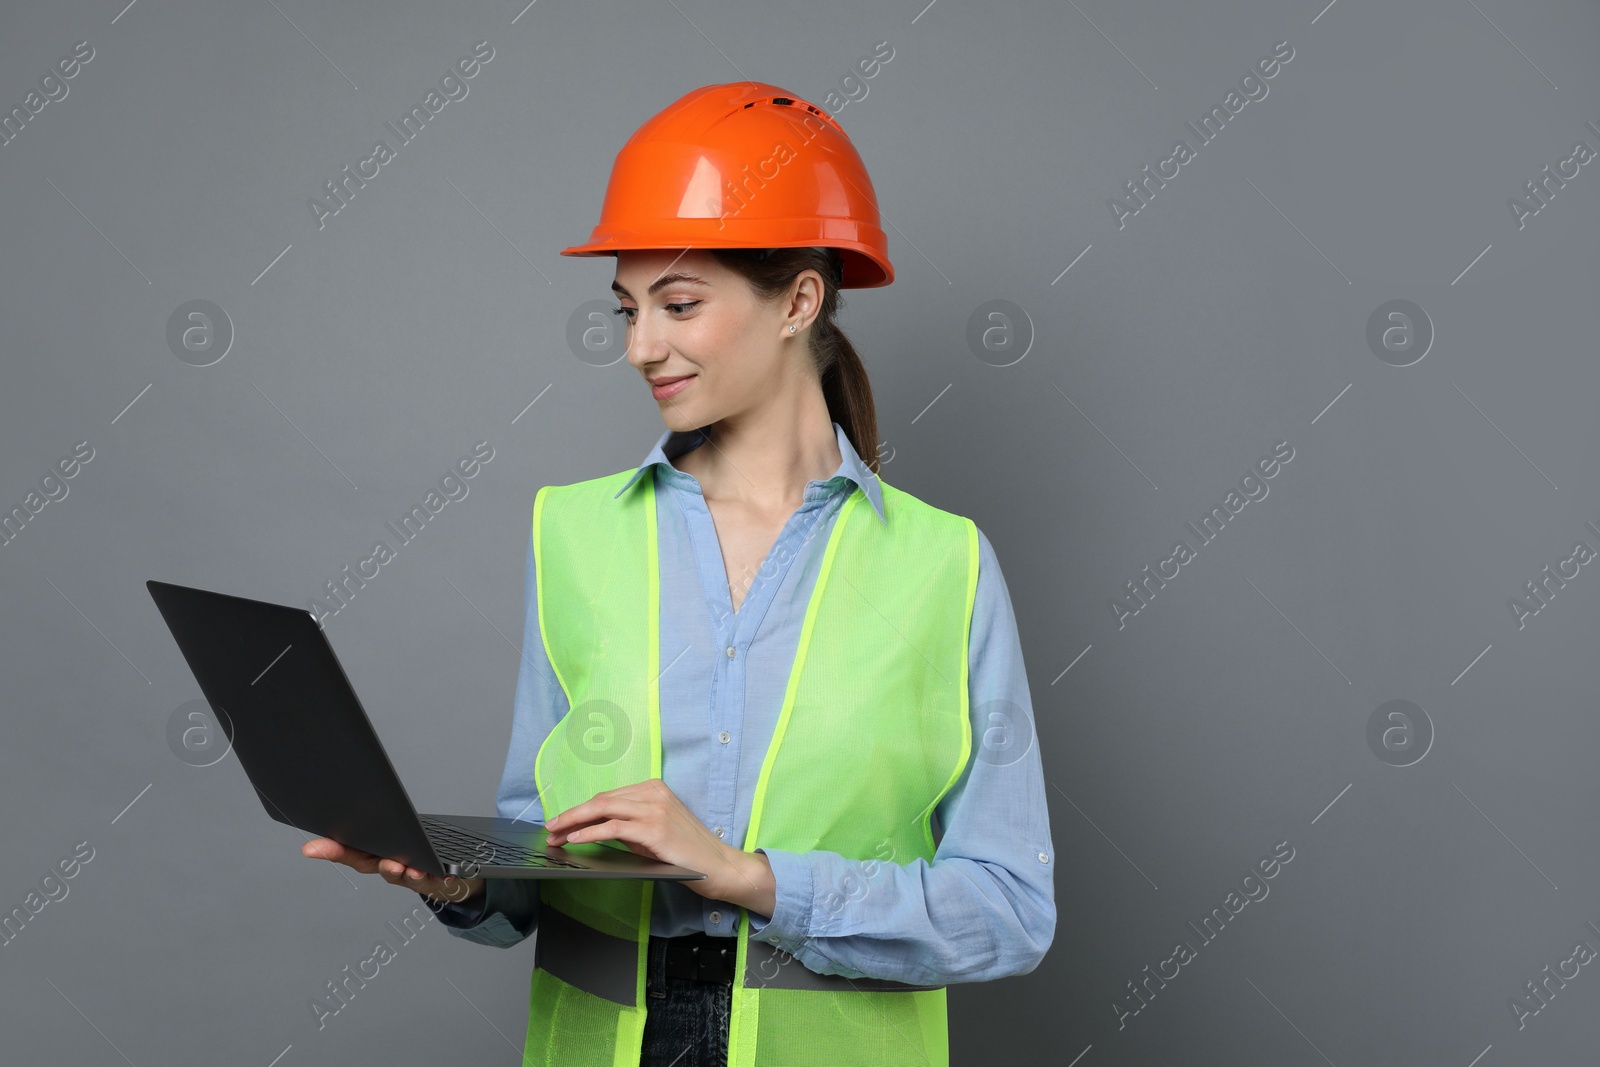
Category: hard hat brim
[862,268]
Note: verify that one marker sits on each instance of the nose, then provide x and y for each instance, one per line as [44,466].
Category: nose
[643,344]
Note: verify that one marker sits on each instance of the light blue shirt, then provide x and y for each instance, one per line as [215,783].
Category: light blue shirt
[983,908]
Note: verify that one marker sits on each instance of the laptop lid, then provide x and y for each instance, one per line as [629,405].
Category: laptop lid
[293,719]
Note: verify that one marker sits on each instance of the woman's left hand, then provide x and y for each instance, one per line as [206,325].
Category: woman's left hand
[649,818]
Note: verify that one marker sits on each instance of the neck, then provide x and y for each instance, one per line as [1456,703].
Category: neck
[764,458]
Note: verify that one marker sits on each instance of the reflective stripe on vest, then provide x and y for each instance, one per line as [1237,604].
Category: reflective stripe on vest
[872,733]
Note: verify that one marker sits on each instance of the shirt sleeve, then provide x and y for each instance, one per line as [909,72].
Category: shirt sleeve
[508,911]
[984,907]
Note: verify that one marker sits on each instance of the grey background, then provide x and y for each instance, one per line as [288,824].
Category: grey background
[1228,315]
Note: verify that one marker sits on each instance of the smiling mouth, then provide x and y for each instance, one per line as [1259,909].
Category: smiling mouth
[671,388]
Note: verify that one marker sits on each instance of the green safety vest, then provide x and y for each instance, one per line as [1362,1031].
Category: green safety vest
[873,732]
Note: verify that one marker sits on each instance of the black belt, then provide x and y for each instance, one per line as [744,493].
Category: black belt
[700,957]
[703,957]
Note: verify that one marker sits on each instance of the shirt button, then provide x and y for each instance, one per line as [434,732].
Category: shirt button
[1043,858]
[724,737]
[730,651]
[718,831]
[716,916]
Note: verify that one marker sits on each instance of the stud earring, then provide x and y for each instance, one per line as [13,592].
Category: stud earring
[791,329]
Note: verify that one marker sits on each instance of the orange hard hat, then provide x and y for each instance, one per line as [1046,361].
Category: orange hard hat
[743,165]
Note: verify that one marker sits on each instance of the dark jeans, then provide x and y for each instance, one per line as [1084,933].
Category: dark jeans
[686,1024]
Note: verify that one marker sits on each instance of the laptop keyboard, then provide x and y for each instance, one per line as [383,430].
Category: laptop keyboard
[456,846]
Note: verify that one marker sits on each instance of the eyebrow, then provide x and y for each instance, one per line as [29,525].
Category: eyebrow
[662,282]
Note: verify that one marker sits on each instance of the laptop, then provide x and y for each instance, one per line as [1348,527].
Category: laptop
[311,754]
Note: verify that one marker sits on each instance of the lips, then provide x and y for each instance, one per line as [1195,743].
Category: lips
[662,388]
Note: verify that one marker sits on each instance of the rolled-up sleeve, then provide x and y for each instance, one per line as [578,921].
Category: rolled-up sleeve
[507,912]
[984,907]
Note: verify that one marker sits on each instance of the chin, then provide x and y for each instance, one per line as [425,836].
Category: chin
[680,418]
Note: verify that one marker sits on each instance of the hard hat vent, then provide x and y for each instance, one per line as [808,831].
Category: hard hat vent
[784,101]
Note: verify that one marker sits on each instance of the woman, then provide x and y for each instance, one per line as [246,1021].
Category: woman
[757,659]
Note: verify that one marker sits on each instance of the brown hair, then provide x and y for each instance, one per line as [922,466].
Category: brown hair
[769,272]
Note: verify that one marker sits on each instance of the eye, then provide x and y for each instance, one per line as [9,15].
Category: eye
[628,313]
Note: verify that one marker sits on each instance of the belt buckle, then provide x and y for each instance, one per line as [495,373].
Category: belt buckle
[712,963]
[701,958]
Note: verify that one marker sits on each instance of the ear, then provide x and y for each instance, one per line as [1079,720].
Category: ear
[805,300]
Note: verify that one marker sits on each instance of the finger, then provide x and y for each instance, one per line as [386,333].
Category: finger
[328,849]
[592,811]
[609,830]
[647,814]
[396,871]
[428,884]
[588,829]
[634,790]
[319,847]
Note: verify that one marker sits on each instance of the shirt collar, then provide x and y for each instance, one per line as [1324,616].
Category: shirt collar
[674,443]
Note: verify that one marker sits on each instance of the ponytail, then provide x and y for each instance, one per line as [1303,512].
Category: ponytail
[848,392]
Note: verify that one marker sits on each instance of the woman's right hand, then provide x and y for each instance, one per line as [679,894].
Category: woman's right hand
[451,888]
